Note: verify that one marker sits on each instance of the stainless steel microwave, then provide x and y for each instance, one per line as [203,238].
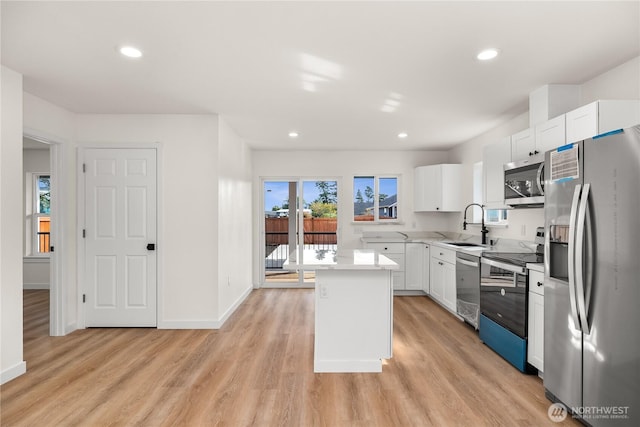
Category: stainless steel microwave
[524,183]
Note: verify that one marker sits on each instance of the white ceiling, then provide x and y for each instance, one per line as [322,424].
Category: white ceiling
[324,69]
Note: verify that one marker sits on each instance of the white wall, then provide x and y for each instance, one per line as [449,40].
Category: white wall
[622,82]
[234,220]
[46,121]
[11,357]
[188,237]
[343,166]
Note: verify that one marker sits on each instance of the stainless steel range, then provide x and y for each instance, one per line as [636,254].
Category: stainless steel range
[504,302]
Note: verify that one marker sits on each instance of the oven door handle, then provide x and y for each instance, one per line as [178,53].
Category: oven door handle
[504,266]
[572,256]
[468,263]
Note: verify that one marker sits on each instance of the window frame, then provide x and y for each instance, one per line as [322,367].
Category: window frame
[376,199]
[37,215]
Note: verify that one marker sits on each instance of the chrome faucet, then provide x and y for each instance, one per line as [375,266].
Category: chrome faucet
[484,229]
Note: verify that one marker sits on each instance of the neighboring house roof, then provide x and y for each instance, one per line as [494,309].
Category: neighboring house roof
[360,208]
[389,201]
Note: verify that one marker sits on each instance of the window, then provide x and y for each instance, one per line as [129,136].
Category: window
[375,198]
[491,216]
[41,213]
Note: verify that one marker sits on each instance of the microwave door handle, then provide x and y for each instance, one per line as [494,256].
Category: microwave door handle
[539,179]
[572,255]
[579,249]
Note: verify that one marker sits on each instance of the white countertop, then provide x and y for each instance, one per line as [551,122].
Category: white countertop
[355,259]
[536,267]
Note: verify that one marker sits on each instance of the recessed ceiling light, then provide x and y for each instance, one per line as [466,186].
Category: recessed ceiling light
[293,134]
[487,54]
[131,52]
[403,135]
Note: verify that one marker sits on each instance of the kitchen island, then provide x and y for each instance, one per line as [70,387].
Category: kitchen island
[353,308]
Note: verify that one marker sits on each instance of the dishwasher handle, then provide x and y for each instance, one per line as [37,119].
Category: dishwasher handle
[468,263]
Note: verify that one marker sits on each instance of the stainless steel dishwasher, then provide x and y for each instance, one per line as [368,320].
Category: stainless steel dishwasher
[468,288]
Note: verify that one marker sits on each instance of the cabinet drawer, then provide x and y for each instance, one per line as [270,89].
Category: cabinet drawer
[536,282]
[446,255]
[387,248]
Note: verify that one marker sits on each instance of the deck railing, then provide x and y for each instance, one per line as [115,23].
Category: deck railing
[277,247]
[44,242]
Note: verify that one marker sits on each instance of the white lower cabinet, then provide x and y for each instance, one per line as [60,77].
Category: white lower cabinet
[395,252]
[535,344]
[417,267]
[443,277]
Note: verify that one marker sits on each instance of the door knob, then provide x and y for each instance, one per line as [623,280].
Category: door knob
[151,247]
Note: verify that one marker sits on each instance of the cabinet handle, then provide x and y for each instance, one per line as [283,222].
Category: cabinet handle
[437,208]
[539,283]
[440,263]
[385,249]
[530,153]
[536,152]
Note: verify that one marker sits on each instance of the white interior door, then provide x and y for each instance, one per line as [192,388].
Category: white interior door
[120,221]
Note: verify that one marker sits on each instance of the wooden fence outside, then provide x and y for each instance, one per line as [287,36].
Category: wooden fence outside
[320,231]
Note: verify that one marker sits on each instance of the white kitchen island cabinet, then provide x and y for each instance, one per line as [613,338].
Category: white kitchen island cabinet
[353,309]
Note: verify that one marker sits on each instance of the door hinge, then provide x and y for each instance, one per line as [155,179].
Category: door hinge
[84,168]
[84,233]
[84,297]
[51,249]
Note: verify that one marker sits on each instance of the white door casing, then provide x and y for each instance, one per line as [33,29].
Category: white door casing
[120,222]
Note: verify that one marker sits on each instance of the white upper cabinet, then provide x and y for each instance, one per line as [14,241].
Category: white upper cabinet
[600,117]
[494,157]
[523,145]
[437,188]
[550,134]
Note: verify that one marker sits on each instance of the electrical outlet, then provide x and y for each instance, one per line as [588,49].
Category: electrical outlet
[324,292]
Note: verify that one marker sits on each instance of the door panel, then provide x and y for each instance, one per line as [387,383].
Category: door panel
[612,349]
[120,212]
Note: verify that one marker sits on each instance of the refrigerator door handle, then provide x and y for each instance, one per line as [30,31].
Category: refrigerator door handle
[572,255]
[579,264]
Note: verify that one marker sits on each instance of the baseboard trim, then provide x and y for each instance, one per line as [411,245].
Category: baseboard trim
[13,372]
[205,324]
[234,306]
[342,366]
[35,286]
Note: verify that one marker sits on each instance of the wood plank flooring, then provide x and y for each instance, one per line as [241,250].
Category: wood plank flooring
[258,370]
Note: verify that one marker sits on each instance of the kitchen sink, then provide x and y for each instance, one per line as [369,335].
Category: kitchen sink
[464,244]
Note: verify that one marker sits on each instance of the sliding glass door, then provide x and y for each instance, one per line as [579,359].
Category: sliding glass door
[298,215]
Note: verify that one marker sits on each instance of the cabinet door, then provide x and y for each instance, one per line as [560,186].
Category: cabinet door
[535,349]
[522,143]
[551,134]
[426,263]
[449,291]
[413,266]
[451,188]
[428,188]
[582,123]
[494,157]
[436,284]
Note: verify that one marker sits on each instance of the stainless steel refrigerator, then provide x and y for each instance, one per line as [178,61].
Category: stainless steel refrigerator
[592,278]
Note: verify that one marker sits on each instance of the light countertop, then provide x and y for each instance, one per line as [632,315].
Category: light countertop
[355,259]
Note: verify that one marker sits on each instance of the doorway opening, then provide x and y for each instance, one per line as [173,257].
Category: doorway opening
[299,214]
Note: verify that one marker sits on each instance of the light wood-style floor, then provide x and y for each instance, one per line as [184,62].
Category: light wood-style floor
[258,370]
